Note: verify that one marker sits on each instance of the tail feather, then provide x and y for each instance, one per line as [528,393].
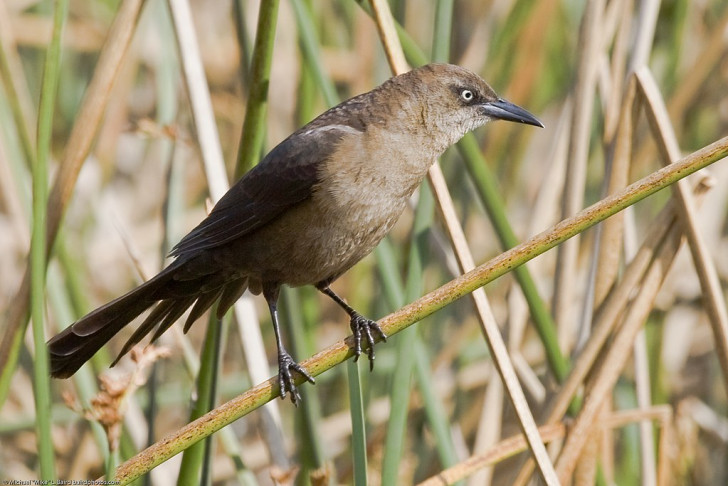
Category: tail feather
[174,313]
[203,303]
[76,344]
[175,291]
[233,291]
[80,341]
[144,328]
[162,316]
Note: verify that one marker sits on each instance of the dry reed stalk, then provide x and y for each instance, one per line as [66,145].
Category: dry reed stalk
[590,46]
[662,414]
[705,267]
[614,359]
[608,314]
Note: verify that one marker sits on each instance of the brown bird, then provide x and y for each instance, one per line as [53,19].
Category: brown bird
[313,207]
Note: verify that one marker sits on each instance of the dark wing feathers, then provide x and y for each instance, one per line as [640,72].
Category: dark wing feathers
[285,177]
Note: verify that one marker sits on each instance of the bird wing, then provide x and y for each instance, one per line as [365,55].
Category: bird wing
[284,178]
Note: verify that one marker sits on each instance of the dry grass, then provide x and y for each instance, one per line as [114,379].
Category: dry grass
[639,303]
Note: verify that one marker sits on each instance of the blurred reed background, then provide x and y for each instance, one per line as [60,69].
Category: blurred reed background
[132,152]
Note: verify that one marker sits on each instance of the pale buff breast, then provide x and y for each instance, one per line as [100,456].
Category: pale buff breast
[367,186]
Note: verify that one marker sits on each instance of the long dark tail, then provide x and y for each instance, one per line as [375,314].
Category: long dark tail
[172,288]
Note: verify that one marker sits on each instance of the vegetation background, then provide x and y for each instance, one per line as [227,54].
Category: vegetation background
[135,143]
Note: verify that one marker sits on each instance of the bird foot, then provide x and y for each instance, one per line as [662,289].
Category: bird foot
[361,325]
[286,382]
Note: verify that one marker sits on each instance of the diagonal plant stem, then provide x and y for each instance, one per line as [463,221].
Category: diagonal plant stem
[607,316]
[662,414]
[670,151]
[395,55]
[687,90]
[493,455]
[424,306]
[486,183]
[610,367]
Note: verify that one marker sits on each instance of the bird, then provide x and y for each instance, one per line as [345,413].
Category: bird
[317,203]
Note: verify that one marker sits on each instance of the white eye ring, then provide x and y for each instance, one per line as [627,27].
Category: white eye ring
[466,95]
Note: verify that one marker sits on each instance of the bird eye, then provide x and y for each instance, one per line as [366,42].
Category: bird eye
[466,95]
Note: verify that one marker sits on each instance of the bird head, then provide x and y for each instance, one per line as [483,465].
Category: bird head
[453,101]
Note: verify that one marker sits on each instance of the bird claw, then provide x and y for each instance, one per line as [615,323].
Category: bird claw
[286,382]
[359,325]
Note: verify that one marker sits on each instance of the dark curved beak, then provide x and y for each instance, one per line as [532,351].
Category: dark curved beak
[501,109]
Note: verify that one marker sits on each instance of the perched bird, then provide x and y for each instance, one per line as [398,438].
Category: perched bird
[313,207]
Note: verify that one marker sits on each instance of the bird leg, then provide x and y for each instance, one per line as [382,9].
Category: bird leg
[359,324]
[286,363]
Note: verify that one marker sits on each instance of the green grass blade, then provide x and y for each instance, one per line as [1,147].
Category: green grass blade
[309,44]
[251,142]
[399,400]
[434,409]
[358,424]
[41,376]
[193,457]
[401,379]
[309,414]
[442,31]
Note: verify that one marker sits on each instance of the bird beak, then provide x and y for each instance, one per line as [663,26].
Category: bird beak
[501,109]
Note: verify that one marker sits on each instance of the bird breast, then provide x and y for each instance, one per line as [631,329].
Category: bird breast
[365,187]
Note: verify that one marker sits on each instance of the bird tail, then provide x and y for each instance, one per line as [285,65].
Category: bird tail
[77,343]
[175,293]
